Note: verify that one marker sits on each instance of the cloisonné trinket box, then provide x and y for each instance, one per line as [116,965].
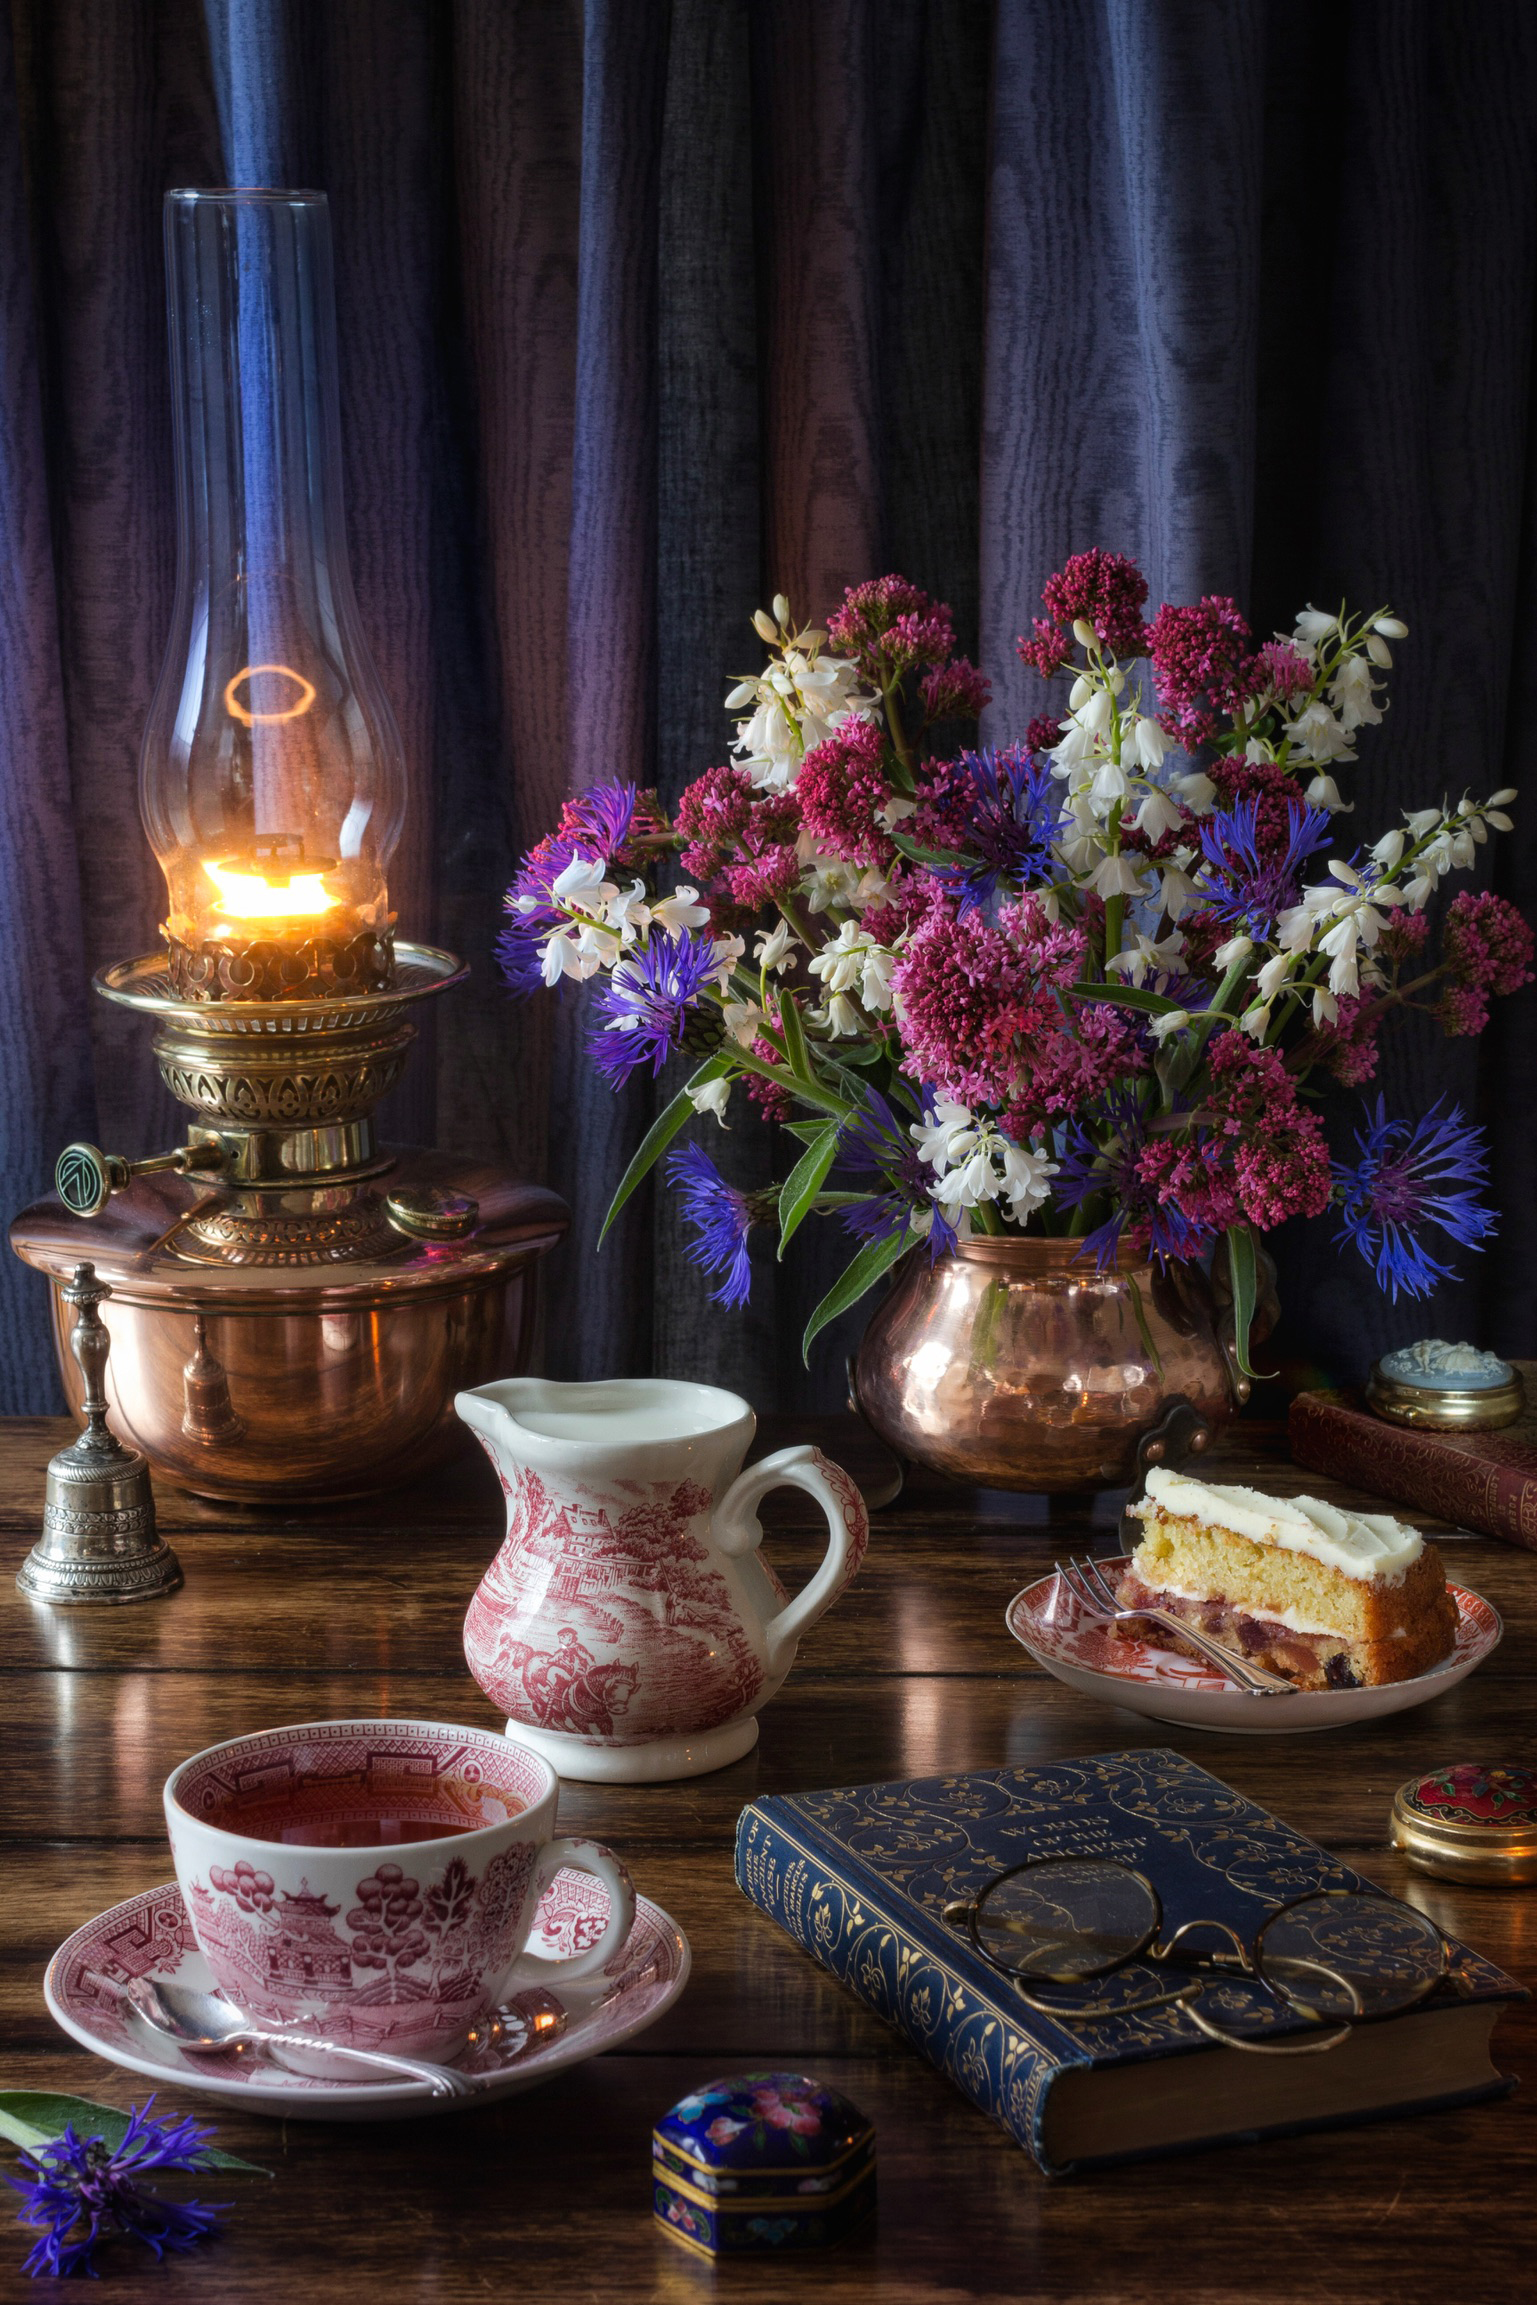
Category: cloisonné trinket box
[762,2161]
[1471,1823]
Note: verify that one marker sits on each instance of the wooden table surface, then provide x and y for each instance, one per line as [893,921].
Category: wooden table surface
[358,1610]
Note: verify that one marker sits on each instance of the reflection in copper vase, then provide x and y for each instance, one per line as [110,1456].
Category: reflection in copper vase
[209,1415]
[1017,1364]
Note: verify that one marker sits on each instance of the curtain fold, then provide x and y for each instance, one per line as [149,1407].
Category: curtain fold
[649,310]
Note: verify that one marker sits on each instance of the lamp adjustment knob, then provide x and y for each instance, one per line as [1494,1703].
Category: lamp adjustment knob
[85,1178]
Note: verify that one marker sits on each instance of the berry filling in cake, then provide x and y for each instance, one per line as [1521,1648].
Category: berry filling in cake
[1328,1598]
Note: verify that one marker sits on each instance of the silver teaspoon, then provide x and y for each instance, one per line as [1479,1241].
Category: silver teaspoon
[205,2022]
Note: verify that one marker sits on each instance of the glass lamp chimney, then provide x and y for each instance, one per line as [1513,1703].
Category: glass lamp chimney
[272,780]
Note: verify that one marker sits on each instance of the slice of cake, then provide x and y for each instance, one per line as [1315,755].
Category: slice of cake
[1330,1599]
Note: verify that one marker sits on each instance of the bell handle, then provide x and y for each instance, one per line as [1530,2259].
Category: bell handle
[85,1178]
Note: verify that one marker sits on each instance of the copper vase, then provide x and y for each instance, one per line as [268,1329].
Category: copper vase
[1017,1364]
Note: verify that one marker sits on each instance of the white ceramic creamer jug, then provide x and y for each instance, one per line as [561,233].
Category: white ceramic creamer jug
[628,1627]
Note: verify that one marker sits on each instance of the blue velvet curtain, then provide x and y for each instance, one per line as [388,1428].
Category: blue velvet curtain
[650,310]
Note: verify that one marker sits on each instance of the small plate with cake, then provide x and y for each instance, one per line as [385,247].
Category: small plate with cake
[1354,1609]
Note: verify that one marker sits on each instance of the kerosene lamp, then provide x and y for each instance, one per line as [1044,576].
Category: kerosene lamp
[293,1306]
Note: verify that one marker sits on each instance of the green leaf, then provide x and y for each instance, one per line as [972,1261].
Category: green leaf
[1139,1308]
[875,1258]
[807,1130]
[794,1036]
[660,1135]
[1126,996]
[919,854]
[1245,1280]
[32,2118]
[804,1182]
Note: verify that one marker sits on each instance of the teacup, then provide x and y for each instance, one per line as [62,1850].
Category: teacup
[628,1627]
[377,1880]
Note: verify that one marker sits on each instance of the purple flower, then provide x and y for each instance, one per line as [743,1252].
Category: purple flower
[875,1143]
[1249,883]
[647,1003]
[997,811]
[84,2187]
[596,824]
[1412,1173]
[722,1218]
[531,902]
[1086,1167]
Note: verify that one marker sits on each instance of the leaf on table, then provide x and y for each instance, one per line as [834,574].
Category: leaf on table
[32,2118]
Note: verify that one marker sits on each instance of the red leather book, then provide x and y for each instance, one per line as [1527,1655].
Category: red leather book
[1482,1481]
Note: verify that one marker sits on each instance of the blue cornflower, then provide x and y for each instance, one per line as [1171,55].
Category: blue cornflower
[85,2187]
[875,1143]
[1086,1166]
[1245,886]
[722,1218]
[1412,1173]
[647,1002]
[599,822]
[999,811]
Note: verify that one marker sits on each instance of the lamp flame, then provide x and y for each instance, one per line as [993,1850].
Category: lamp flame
[251,896]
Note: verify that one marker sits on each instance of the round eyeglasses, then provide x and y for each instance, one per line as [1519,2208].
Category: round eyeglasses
[1335,1958]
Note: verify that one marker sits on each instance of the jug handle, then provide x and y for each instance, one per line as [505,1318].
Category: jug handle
[738,1530]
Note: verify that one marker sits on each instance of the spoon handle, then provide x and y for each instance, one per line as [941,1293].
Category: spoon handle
[441,2081]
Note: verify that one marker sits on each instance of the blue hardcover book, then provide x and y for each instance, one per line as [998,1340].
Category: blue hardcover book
[860,1877]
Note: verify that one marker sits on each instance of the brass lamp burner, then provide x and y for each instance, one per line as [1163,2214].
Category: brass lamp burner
[284,1091]
[295,1303]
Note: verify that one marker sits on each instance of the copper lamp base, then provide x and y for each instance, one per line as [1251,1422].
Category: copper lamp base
[294,1305]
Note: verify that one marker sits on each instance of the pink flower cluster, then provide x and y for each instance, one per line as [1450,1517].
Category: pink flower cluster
[1204,666]
[1486,947]
[841,785]
[983,1021]
[1287,671]
[740,840]
[954,691]
[1349,1047]
[1262,1157]
[1487,943]
[891,628]
[1104,589]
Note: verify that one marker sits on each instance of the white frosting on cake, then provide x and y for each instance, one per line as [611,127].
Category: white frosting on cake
[1367,1546]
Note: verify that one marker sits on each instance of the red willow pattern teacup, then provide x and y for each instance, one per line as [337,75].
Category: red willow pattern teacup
[378,1879]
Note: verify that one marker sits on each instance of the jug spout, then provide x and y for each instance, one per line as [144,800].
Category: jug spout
[481,1415]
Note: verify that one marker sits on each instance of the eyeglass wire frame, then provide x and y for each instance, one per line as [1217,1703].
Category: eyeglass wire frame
[1247,1960]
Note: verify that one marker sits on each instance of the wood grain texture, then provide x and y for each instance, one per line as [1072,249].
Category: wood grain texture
[913,1672]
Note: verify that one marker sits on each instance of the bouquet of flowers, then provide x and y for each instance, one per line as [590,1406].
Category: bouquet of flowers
[1082,984]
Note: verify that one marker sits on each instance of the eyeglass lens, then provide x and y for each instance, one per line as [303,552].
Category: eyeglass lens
[1350,1956]
[1061,1922]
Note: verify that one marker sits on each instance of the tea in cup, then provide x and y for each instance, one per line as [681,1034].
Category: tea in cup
[377,1880]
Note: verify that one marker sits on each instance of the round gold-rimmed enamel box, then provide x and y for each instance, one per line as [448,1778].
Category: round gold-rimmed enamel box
[1445,1388]
[1470,1823]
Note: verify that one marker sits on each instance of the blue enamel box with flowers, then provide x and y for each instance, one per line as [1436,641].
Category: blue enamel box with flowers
[762,2161]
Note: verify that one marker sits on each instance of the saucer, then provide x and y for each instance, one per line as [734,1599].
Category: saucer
[149,1936]
[1084,1652]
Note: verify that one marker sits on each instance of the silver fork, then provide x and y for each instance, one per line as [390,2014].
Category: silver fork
[1092,1590]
